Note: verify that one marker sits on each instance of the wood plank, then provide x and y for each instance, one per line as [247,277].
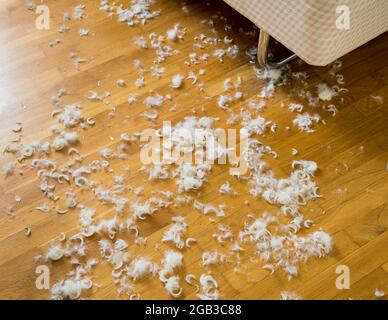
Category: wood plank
[351,150]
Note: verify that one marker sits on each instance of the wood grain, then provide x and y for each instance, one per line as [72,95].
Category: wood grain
[351,149]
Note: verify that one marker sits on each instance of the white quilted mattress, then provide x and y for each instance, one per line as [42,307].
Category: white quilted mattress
[308,27]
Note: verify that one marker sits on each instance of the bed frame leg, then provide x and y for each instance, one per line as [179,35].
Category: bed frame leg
[262,53]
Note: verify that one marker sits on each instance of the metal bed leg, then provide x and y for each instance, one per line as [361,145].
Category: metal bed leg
[262,53]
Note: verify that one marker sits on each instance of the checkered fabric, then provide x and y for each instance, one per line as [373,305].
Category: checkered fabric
[308,27]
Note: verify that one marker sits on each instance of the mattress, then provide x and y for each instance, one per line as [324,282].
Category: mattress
[318,31]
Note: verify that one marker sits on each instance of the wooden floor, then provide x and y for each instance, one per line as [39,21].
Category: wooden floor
[351,149]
